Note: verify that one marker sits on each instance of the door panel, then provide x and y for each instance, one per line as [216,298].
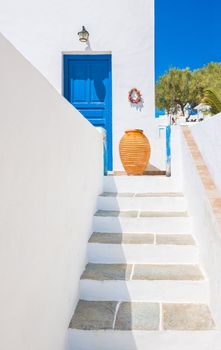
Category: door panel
[87,85]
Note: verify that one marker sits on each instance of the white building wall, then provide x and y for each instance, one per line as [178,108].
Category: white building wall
[43,29]
[205,226]
[208,139]
[51,174]
[187,179]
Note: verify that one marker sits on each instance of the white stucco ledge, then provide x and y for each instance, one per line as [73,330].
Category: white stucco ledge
[209,185]
[204,206]
[207,136]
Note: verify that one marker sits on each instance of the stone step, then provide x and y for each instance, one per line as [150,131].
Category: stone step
[142,202]
[138,325]
[103,315]
[143,194]
[143,238]
[115,248]
[133,224]
[142,272]
[140,184]
[149,282]
[141,214]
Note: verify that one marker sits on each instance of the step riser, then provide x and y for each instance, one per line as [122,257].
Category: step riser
[139,184]
[144,204]
[152,291]
[140,340]
[147,254]
[142,225]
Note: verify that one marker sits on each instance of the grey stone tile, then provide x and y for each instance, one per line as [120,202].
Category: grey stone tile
[113,213]
[187,317]
[104,272]
[167,272]
[163,214]
[175,239]
[94,315]
[138,316]
[118,238]
[160,194]
[113,194]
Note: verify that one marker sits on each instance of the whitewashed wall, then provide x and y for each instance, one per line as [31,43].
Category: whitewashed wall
[176,158]
[43,29]
[205,228]
[208,137]
[51,173]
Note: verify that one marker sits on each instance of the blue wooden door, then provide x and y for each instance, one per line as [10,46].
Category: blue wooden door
[87,85]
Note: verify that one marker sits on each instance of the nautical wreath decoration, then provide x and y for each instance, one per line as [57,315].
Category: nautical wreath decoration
[134,96]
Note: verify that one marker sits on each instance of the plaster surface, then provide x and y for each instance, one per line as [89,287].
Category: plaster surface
[46,148]
[207,137]
[42,30]
[201,181]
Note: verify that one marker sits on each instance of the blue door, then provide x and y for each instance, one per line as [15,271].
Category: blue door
[87,86]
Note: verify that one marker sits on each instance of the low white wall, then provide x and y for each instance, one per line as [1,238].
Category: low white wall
[205,228]
[50,175]
[176,158]
[208,138]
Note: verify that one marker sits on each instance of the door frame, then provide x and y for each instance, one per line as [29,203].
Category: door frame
[66,55]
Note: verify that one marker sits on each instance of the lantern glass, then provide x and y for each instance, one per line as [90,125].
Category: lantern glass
[83,35]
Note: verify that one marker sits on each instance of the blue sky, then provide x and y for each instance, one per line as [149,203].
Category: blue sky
[187,33]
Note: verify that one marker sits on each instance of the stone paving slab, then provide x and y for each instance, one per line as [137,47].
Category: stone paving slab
[148,194]
[138,316]
[167,272]
[114,194]
[113,213]
[142,214]
[163,214]
[126,316]
[94,315]
[160,194]
[118,238]
[174,239]
[141,238]
[104,272]
[187,317]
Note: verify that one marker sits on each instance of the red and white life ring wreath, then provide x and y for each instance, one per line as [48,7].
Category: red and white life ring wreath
[134,96]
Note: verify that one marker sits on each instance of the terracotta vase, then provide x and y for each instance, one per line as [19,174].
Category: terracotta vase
[134,152]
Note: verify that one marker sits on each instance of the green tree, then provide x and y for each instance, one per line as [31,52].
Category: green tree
[175,89]
[207,78]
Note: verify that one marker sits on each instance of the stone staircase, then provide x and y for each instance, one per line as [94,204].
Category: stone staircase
[143,287]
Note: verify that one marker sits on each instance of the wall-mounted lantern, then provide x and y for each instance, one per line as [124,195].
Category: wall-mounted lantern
[83,35]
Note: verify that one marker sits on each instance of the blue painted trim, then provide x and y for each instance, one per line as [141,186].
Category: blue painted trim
[168,150]
[106,57]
